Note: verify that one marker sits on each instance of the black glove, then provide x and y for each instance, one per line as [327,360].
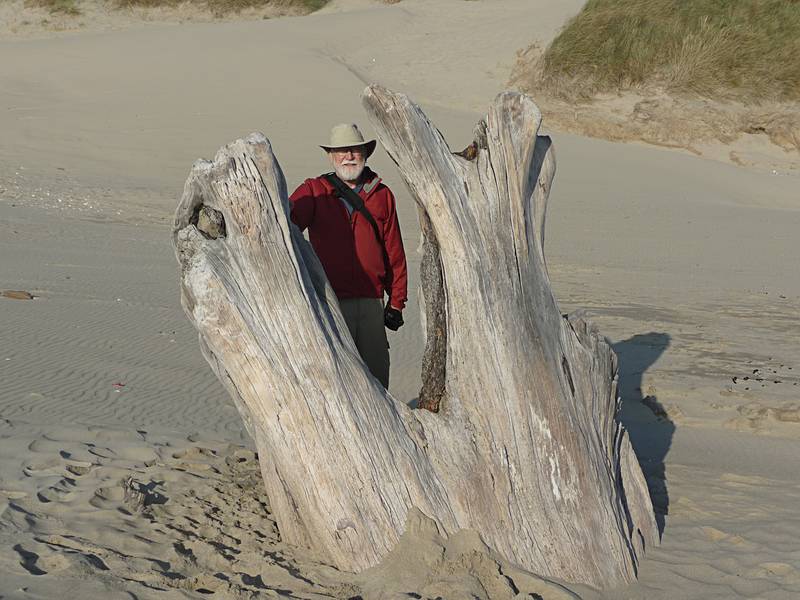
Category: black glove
[392,318]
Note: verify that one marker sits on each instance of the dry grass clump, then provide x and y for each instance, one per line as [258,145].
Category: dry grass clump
[62,7]
[745,49]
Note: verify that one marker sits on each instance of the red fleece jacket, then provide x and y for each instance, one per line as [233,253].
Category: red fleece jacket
[356,263]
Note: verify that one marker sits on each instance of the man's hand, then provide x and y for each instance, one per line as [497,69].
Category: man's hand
[392,318]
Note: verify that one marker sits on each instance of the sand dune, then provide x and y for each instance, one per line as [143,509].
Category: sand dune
[124,469]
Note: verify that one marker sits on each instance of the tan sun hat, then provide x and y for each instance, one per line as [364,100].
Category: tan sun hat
[345,135]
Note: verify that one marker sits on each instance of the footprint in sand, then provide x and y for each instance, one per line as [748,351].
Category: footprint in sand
[13,494]
[79,468]
[29,561]
[138,454]
[59,492]
[107,497]
[190,460]
[50,561]
[193,452]
[46,468]
[66,461]
[101,452]
[45,446]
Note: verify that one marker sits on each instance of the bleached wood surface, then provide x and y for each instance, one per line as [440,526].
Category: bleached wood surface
[525,448]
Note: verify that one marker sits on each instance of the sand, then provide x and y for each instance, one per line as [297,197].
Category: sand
[124,468]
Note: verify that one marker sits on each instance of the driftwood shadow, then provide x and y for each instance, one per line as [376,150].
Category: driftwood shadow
[646,420]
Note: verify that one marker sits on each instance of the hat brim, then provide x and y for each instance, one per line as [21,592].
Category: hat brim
[370,147]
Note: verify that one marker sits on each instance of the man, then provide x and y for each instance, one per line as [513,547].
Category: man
[353,227]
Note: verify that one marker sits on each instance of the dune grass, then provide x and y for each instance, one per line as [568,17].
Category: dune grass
[224,7]
[218,7]
[746,49]
[63,7]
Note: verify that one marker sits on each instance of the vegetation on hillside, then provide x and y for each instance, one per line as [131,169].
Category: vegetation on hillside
[63,7]
[217,7]
[742,49]
[224,7]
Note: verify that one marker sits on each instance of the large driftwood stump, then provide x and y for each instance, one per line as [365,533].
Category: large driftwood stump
[525,448]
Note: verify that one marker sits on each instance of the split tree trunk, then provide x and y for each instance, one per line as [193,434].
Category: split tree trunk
[525,448]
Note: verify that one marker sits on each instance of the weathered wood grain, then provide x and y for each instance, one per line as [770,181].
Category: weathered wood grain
[525,448]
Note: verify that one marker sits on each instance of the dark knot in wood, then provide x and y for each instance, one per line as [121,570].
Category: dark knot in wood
[470,152]
[210,222]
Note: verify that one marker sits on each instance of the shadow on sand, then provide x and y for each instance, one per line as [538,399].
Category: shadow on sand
[644,417]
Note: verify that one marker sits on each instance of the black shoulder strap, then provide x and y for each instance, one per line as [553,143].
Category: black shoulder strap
[355,201]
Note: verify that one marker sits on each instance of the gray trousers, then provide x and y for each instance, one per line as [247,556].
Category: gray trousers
[364,317]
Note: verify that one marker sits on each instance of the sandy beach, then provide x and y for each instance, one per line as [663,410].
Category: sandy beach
[125,470]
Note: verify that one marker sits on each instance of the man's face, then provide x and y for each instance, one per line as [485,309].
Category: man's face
[348,162]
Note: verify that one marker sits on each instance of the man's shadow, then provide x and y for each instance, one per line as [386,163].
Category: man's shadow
[646,420]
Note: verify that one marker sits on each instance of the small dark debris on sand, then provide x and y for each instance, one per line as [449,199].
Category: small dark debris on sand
[17,295]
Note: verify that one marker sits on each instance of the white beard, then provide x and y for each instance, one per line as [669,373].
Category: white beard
[349,173]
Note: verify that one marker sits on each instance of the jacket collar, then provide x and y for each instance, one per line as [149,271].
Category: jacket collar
[369,178]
